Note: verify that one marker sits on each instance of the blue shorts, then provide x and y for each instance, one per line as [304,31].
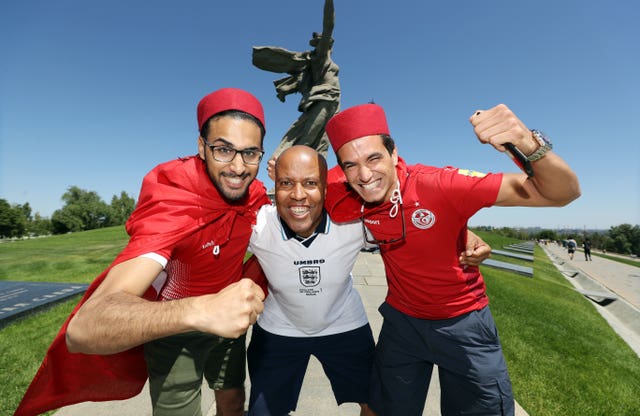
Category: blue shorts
[473,373]
[277,365]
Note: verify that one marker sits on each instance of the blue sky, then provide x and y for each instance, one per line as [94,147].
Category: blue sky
[94,94]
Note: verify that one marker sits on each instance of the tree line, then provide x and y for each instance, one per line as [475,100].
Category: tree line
[82,210]
[85,210]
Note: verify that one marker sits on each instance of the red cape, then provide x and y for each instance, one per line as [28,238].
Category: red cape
[182,191]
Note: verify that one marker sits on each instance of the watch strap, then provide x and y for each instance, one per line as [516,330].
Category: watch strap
[545,146]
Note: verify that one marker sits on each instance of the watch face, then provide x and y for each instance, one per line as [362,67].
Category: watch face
[541,138]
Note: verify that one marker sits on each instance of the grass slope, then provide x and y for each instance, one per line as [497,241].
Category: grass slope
[564,359]
[68,258]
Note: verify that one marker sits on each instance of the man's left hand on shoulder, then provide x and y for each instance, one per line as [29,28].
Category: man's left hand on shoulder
[476,251]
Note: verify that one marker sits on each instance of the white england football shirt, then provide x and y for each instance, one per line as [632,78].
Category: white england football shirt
[311,289]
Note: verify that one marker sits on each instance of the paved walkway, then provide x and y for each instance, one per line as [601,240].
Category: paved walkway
[620,278]
[623,280]
[316,397]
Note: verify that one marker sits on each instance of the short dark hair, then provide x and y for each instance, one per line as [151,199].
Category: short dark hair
[204,131]
[388,143]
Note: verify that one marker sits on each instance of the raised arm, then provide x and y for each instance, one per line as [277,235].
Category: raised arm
[116,318]
[328,22]
[328,19]
[554,183]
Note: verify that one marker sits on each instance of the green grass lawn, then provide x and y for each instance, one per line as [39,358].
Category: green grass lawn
[564,359]
[68,258]
[625,260]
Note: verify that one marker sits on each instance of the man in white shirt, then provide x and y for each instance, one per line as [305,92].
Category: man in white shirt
[312,306]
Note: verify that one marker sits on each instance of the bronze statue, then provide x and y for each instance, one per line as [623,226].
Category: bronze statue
[314,75]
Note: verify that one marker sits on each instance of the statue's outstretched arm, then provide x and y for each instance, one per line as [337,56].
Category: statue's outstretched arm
[329,19]
[328,23]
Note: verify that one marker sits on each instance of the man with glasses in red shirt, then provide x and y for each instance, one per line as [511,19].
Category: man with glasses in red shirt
[177,288]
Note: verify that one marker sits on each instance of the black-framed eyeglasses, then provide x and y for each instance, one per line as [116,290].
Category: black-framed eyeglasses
[368,236]
[226,154]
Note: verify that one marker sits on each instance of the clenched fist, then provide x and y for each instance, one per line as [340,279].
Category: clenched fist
[500,125]
[230,312]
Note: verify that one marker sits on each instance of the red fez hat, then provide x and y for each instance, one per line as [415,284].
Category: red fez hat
[355,122]
[229,99]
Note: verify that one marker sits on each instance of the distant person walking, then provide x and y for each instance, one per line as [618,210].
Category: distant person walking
[586,245]
[571,247]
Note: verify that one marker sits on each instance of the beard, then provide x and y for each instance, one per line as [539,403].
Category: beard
[232,195]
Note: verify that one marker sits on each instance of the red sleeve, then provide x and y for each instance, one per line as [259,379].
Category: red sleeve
[469,191]
[251,269]
[341,202]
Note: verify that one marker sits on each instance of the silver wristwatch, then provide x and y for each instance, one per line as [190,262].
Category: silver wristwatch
[545,146]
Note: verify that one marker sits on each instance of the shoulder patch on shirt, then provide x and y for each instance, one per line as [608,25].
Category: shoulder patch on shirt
[472,173]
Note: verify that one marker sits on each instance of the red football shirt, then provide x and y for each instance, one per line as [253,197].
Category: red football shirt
[424,276]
